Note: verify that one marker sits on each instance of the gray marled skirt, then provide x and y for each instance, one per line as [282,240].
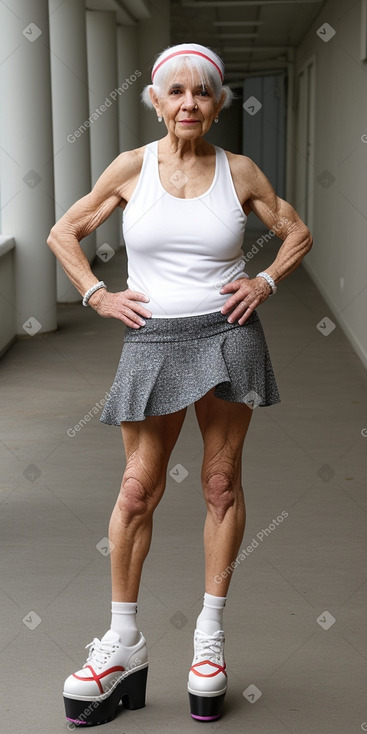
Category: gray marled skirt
[170,363]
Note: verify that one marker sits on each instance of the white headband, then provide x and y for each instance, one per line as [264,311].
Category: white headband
[189,49]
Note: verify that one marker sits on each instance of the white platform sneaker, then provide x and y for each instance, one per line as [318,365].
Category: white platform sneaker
[112,673]
[207,677]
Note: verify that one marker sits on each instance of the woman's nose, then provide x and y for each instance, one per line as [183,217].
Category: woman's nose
[189,101]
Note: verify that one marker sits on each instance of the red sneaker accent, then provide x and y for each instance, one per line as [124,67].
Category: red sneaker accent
[219,669]
[97,678]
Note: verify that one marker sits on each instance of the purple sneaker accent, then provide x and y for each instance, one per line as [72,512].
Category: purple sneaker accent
[76,721]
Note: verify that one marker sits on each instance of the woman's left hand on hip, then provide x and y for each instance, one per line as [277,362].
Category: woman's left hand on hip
[248,293]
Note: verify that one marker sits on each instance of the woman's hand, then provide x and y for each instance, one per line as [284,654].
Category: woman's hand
[248,293]
[122,305]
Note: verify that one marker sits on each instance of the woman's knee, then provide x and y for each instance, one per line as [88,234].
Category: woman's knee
[220,492]
[140,493]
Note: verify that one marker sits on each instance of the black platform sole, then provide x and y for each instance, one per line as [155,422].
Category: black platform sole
[131,691]
[206,708]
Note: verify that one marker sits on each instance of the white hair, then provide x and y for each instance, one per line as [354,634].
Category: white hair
[208,74]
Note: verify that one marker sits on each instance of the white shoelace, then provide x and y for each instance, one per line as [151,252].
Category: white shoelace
[209,644]
[99,651]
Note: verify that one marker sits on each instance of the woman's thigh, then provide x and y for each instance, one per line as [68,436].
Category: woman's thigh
[148,444]
[223,425]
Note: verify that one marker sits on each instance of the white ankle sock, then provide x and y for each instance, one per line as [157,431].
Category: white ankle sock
[210,619]
[123,622]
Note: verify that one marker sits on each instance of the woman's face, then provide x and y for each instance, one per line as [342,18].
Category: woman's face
[188,108]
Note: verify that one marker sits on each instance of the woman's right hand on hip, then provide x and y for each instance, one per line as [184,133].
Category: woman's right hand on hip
[123,306]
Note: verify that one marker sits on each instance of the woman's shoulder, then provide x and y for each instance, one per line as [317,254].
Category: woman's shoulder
[240,163]
[130,161]
[125,170]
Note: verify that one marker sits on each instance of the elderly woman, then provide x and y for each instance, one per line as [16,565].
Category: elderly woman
[192,336]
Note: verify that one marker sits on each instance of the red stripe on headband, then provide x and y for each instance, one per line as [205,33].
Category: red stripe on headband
[187,53]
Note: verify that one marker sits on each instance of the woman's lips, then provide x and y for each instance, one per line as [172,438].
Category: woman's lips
[188,122]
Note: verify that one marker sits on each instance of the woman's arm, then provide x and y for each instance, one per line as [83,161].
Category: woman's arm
[259,196]
[280,217]
[82,219]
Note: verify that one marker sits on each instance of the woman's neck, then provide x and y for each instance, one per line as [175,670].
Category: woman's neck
[184,149]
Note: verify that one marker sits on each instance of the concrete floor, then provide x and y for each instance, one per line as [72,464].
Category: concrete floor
[295,621]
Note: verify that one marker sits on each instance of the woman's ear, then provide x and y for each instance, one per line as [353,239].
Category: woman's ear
[155,101]
[220,104]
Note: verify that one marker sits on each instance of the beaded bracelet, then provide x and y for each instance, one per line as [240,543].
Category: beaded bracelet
[92,290]
[269,280]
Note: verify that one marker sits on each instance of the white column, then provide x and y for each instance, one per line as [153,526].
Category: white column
[26,164]
[70,107]
[129,75]
[103,108]
[154,37]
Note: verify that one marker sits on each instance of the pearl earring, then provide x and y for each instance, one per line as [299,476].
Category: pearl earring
[159,119]
[216,119]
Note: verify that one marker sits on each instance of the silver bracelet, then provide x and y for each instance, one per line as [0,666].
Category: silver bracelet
[92,290]
[269,280]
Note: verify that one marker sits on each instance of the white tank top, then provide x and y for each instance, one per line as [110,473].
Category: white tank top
[180,252]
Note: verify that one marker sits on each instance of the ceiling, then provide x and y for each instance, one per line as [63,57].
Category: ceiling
[128,12]
[249,35]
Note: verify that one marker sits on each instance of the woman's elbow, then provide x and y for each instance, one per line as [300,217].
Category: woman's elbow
[57,237]
[308,240]
[51,239]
